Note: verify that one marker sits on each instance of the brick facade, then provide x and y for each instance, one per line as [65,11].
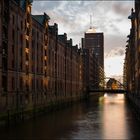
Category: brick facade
[132,58]
[37,65]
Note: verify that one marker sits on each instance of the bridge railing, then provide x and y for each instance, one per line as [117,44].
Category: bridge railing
[120,91]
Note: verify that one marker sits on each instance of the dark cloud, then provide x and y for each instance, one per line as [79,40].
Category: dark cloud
[73,17]
[42,6]
[122,9]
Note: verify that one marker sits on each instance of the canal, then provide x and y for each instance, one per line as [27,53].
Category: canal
[106,117]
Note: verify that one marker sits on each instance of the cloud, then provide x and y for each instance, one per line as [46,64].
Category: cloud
[114,66]
[122,7]
[73,18]
[42,6]
[119,51]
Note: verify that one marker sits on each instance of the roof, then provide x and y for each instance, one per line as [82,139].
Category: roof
[91,30]
[69,42]
[132,16]
[63,37]
[22,3]
[41,18]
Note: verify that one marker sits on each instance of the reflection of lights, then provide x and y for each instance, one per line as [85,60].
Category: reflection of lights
[101,99]
[113,98]
[105,95]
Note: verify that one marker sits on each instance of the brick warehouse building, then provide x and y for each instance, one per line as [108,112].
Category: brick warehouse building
[38,67]
[132,58]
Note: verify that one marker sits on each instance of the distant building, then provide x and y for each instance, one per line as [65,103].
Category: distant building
[112,84]
[93,49]
[94,41]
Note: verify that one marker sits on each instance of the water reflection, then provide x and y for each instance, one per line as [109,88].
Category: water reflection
[107,117]
[114,117]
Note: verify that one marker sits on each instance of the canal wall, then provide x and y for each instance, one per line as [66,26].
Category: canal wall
[135,103]
[19,115]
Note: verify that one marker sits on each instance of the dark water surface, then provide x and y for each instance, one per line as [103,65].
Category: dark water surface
[108,117]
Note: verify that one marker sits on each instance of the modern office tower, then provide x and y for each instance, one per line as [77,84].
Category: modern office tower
[93,42]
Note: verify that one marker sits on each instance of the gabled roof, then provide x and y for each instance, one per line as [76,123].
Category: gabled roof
[132,16]
[41,18]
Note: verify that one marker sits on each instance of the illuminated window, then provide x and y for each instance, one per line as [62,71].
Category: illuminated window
[27,50]
[45,57]
[28,25]
[27,37]
[46,24]
[45,67]
[45,47]
[29,9]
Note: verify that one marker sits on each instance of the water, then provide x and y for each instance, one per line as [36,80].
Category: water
[108,117]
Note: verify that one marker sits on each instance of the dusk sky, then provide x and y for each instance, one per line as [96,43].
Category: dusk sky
[109,17]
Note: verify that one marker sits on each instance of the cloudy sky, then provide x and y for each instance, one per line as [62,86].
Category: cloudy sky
[110,17]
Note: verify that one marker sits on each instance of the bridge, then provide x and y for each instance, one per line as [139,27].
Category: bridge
[122,89]
[113,91]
